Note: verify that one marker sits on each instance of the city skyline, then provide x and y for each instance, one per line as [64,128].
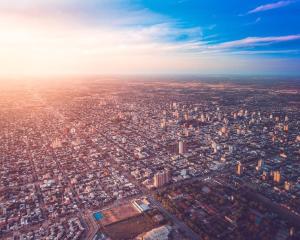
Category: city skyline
[46,38]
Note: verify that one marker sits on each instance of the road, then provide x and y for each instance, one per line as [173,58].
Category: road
[180,224]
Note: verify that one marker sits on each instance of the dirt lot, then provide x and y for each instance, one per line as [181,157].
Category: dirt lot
[117,214]
[130,228]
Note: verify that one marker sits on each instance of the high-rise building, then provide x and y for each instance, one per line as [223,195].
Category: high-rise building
[287,185]
[161,178]
[241,113]
[186,116]
[72,130]
[234,116]
[239,169]
[259,165]
[276,176]
[286,118]
[181,147]
[202,118]
[224,130]
[292,231]
[207,117]
[163,123]
[176,114]
[56,143]
[264,175]
[215,146]
[230,149]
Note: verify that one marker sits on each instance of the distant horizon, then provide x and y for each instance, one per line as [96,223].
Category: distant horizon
[45,81]
[154,75]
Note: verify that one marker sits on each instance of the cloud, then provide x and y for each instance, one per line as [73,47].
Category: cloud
[271,6]
[253,52]
[45,37]
[254,41]
[257,20]
[62,45]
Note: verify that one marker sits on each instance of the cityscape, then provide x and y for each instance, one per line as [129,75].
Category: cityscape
[149,120]
[150,159]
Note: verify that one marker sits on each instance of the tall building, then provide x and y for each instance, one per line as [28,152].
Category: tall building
[56,143]
[161,178]
[224,130]
[230,149]
[276,176]
[186,116]
[264,175]
[181,147]
[72,130]
[259,165]
[163,123]
[287,185]
[215,146]
[292,231]
[176,114]
[234,116]
[286,118]
[239,169]
[202,118]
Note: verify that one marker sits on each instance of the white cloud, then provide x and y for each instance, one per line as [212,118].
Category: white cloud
[257,20]
[254,41]
[271,6]
[30,45]
[108,39]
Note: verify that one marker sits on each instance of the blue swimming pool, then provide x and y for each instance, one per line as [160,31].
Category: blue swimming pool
[98,216]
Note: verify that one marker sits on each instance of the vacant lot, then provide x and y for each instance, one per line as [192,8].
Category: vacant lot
[130,228]
[116,214]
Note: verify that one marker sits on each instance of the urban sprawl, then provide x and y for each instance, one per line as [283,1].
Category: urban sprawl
[150,159]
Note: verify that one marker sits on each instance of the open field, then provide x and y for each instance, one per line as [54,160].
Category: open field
[116,214]
[130,228]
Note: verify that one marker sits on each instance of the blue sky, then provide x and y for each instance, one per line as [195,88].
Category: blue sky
[235,20]
[150,36]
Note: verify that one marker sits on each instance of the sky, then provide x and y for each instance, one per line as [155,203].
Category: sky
[76,37]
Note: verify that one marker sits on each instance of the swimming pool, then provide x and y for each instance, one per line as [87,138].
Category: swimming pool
[98,216]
